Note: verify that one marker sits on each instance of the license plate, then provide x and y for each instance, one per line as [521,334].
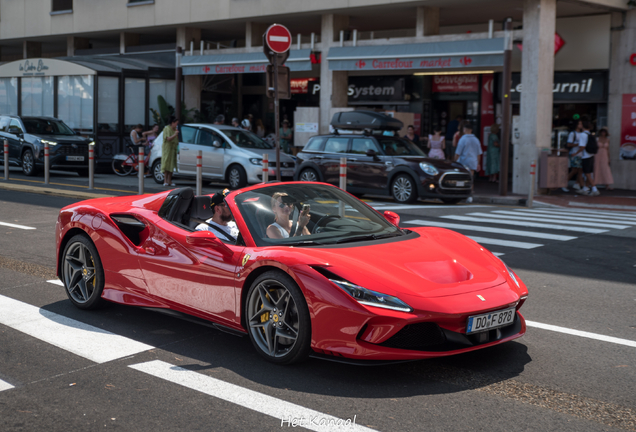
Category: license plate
[287,172]
[479,323]
[459,183]
[75,158]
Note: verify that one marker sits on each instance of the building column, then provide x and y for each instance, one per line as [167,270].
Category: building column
[537,78]
[126,40]
[622,80]
[254,34]
[192,84]
[333,84]
[31,49]
[75,43]
[427,21]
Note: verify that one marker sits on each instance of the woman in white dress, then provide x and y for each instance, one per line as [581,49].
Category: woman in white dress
[282,226]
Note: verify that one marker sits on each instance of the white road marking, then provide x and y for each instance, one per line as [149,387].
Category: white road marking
[580,333]
[506,243]
[525,224]
[389,206]
[565,217]
[605,206]
[492,230]
[5,386]
[259,402]
[56,282]
[548,220]
[625,215]
[498,253]
[618,219]
[16,226]
[71,335]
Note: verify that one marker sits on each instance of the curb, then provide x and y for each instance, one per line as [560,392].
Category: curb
[52,191]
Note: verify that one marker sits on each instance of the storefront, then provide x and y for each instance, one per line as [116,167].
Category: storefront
[103,97]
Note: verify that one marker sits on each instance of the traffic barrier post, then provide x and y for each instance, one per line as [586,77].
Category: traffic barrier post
[199,172]
[265,168]
[533,167]
[46,164]
[6,159]
[91,165]
[141,170]
[343,182]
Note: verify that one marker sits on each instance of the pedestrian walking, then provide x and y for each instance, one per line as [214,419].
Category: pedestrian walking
[574,162]
[493,154]
[451,131]
[411,135]
[587,159]
[245,124]
[468,149]
[436,144]
[286,137]
[169,150]
[219,120]
[456,137]
[260,128]
[235,122]
[602,171]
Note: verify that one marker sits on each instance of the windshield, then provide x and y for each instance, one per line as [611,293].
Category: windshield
[246,139]
[334,216]
[39,126]
[399,147]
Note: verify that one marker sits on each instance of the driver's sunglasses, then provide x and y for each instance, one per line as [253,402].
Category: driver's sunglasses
[283,205]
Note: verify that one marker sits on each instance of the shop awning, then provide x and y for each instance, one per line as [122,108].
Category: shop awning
[432,55]
[241,63]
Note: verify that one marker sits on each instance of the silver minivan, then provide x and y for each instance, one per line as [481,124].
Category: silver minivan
[230,154]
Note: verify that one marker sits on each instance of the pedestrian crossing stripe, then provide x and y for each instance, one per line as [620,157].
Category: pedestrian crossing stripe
[565,217]
[553,226]
[539,219]
[578,214]
[595,212]
[493,230]
[5,386]
[505,243]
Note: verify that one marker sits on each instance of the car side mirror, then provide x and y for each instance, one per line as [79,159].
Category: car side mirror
[216,144]
[372,153]
[206,239]
[392,217]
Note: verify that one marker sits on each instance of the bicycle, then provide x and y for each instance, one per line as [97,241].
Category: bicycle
[124,164]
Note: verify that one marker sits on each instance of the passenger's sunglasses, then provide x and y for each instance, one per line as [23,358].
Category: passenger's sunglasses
[283,205]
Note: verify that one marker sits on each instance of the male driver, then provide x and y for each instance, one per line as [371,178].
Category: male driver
[222,223]
[587,161]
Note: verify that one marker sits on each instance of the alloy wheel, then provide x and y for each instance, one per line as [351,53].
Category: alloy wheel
[79,273]
[308,175]
[27,162]
[234,178]
[402,189]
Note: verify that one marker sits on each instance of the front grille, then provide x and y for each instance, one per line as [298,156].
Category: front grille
[67,149]
[282,164]
[420,336]
[449,180]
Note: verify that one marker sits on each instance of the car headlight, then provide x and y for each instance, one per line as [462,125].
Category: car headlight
[512,275]
[50,143]
[372,298]
[428,168]
[256,161]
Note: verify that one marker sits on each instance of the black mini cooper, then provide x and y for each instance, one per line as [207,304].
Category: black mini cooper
[27,137]
[381,165]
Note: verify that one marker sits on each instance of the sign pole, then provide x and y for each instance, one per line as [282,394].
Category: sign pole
[506,121]
[276,117]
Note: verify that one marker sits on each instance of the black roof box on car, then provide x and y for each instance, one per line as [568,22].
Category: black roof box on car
[365,120]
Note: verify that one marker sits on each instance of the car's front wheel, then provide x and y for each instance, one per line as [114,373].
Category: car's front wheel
[278,318]
[236,177]
[82,273]
[403,189]
[309,175]
[157,174]
[28,163]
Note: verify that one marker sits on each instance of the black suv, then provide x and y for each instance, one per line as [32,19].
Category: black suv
[381,165]
[27,136]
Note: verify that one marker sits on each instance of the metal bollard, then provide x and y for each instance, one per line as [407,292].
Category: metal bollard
[265,168]
[6,159]
[91,165]
[141,169]
[46,164]
[533,166]
[343,182]
[200,172]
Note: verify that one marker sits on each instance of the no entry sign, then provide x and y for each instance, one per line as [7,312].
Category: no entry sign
[278,38]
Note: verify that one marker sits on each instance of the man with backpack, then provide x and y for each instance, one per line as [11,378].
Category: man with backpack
[587,149]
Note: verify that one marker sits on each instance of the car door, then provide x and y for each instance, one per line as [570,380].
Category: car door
[213,155]
[366,172]
[15,137]
[200,278]
[335,148]
[187,150]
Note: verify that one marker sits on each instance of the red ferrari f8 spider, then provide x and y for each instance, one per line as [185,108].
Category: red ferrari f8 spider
[307,270]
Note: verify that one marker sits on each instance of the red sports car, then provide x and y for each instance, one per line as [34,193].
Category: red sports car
[305,269]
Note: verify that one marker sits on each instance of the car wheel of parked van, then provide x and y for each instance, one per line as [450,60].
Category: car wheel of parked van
[236,177]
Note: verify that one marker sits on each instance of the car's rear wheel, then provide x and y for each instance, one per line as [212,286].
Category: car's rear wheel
[82,273]
[236,177]
[278,318]
[309,175]
[28,163]
[451,200]
[403,189]
[157,174]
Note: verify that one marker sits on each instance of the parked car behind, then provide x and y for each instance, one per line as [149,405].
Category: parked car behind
[27,136]
[229,154]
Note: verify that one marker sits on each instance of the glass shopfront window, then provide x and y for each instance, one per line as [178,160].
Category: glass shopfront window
[75,101]
[37,96]
[108,104]
[161,87]
[9,96]
[134,103]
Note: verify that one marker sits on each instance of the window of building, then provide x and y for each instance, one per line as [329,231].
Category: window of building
[161,87]
[75,101]
[61,5]
[108,104]
[134,103]
[9,96]
[37,96]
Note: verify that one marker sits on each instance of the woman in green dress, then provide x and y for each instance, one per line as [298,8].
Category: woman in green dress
[169,150]
[492,158]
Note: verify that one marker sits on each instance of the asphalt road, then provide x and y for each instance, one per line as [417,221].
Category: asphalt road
[581,279]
